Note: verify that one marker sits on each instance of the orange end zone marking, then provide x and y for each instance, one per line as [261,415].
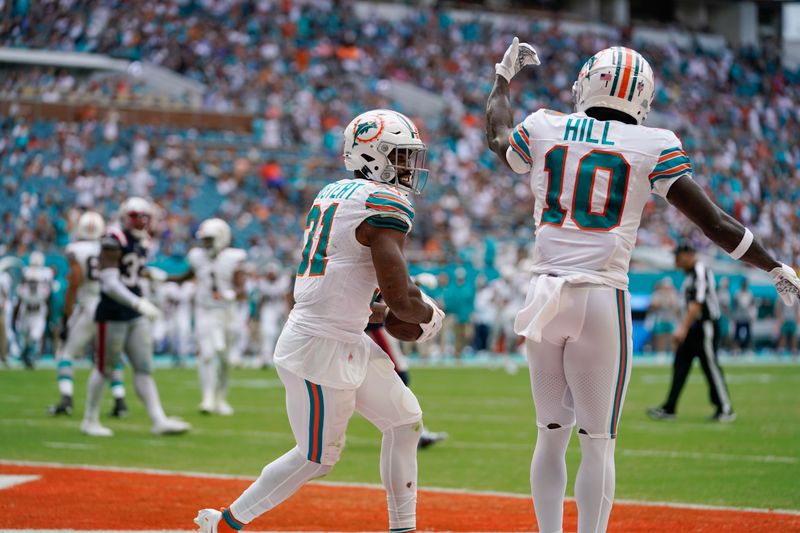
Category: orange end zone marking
[76,498]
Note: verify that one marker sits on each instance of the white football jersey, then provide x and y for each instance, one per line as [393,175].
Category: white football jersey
[35,287]
[87,254]
[336,280]
[215,274]
[274,292]
[591,180]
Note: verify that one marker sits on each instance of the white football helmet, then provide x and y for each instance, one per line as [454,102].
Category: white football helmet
[616,78]
[136,213]
[384,146]
[36,259]
[215,234]
[91,226]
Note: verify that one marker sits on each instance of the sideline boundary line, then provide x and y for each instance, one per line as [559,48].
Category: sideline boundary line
[441,490]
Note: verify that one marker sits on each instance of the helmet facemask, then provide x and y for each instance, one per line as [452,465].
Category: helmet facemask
[405,168]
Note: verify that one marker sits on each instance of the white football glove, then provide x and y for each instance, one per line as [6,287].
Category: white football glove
[518,56]
[147,309]
[786,283]
[432,327]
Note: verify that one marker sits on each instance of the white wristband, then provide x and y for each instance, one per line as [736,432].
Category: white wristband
[744,245]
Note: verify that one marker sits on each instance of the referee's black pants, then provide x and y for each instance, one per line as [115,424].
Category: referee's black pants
[702,342]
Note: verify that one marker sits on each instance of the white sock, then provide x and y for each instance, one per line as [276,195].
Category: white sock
[594,486]
[278,480]
[94,395]
[145,387]
[223,370]
[66,375]
[207,374]
[117,385]
[399,474]
[549,477]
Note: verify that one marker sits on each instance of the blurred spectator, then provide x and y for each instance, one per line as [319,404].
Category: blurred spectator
[787,318]
[744,315]
[459,303]
[663,314]
[725,311]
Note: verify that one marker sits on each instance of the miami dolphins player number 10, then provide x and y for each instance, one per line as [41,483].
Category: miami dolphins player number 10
[353,245]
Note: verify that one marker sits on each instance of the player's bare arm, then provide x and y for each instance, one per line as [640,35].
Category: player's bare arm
[499,117]
[721,228]
[729,234]
[74,277]
[399,292]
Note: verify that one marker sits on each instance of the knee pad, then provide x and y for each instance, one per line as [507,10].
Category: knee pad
[311,469]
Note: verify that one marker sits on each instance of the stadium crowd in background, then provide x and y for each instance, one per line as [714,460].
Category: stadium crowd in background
[303,71]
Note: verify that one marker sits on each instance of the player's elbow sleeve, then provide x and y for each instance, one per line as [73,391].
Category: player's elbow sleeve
[518,161]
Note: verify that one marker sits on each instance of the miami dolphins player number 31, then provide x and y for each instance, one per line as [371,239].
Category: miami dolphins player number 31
[353,245]
[592,172]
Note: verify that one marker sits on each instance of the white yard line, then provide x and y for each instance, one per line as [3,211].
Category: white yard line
[443,490]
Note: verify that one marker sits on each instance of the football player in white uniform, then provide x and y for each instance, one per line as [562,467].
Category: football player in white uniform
[32,309]
[219,274]
[592,172]
[273,292]
[80,302]
[355,232]
[5,299]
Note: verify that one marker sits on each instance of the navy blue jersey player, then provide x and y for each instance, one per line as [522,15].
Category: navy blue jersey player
[124,318]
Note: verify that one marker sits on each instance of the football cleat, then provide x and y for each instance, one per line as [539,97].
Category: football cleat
[659,413]
[223,408]
[213,521]
[170,426]
[120,409]
[723,417]
[206,407]
[429,438]
[63,407]
[95,429]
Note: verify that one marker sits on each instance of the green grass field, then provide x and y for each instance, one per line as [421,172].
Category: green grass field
[490,418]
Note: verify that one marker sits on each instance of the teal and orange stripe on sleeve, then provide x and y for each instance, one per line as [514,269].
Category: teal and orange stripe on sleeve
[229,520]
[316,421]
[387,202]
[520,140]
[671,163]
[619,389]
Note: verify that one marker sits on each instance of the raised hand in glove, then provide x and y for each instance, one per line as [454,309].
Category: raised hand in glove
[518,56]
[786,283]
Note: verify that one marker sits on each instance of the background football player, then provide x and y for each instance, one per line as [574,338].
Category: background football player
[80,303]
[33,306]
[218,271]
[123,320]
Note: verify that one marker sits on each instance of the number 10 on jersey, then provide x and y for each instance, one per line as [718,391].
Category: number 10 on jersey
[314,265]
[581,210]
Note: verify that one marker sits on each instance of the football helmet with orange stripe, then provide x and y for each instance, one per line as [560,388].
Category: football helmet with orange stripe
[384,146]
[616,78]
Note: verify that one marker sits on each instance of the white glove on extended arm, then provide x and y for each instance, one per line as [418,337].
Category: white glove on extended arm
[147,309]
[518,56]
[786,283]
[431,328]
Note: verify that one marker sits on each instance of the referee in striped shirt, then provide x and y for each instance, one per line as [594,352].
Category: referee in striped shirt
[697,336]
